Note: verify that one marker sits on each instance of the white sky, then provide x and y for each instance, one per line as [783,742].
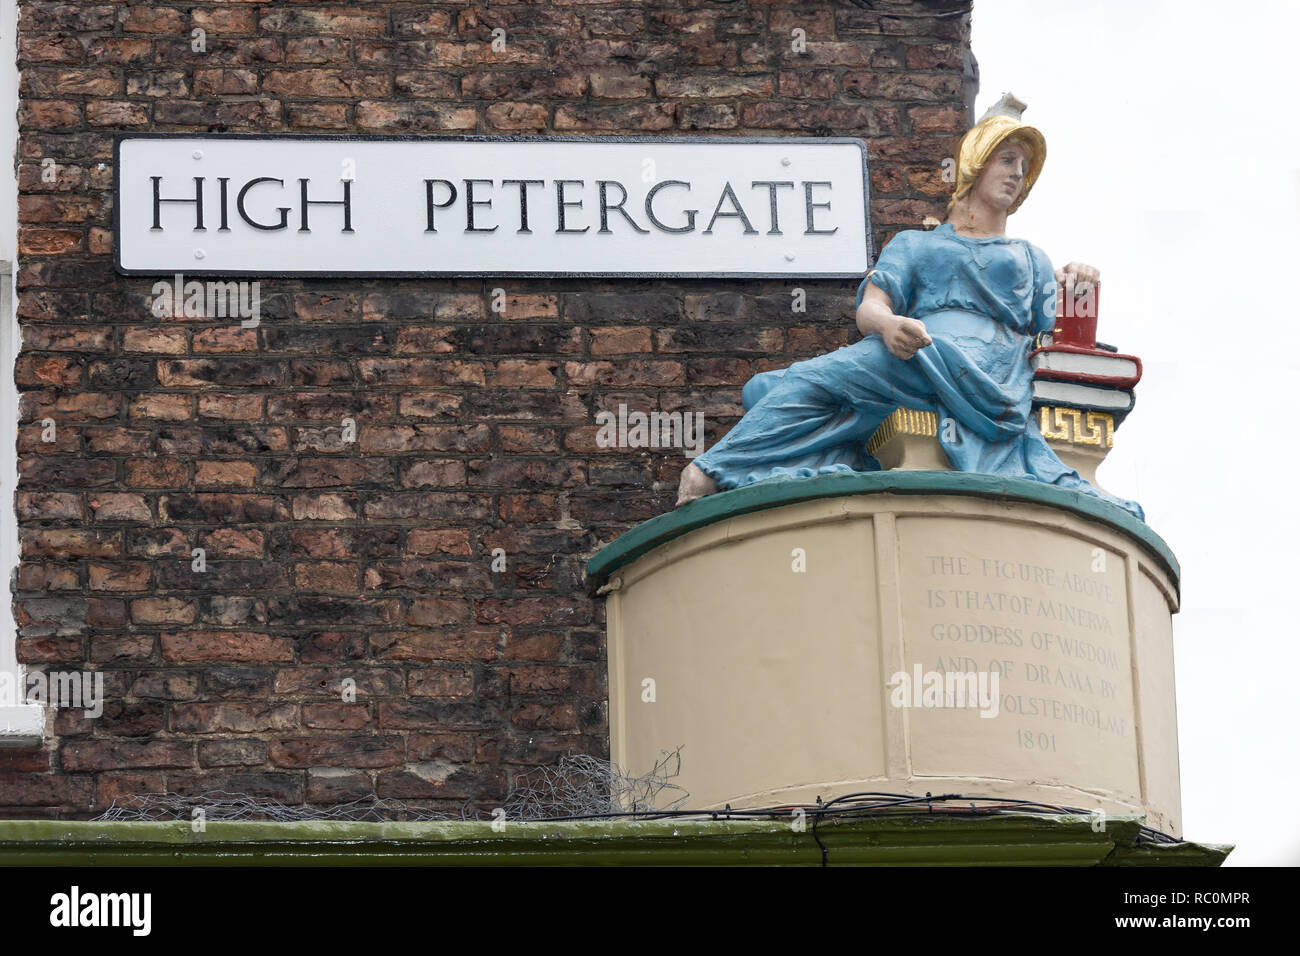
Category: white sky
[1173,165]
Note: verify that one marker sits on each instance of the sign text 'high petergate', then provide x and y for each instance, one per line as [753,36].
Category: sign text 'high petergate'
[491,206]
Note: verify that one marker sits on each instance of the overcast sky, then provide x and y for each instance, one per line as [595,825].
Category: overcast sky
[1173,165]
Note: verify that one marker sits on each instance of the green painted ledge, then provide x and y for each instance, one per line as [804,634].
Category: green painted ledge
[894,840]
[774,492]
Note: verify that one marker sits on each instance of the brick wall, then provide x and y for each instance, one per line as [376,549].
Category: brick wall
[476,430]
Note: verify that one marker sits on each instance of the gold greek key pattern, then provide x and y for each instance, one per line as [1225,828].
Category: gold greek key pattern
[903,421]
[1077,427]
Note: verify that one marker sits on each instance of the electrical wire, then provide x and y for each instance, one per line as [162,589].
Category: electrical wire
[872,804]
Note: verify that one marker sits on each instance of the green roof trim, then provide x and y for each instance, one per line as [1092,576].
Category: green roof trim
[917,839]
[774,492]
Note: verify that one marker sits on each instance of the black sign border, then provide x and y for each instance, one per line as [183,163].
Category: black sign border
[122,136]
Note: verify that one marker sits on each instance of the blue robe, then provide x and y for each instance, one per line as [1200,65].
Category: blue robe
[982,301]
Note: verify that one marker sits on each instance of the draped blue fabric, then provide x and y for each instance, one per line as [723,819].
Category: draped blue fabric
[982,300]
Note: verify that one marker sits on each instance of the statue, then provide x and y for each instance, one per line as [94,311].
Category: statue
[948,318]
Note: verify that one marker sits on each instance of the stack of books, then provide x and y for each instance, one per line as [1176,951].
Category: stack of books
[1073,370]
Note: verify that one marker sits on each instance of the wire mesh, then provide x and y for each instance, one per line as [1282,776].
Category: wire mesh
[579,785]
[582,787]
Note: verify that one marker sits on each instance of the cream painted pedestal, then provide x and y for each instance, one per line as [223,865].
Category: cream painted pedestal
[759,631]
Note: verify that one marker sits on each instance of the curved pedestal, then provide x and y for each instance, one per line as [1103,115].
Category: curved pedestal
[764,631]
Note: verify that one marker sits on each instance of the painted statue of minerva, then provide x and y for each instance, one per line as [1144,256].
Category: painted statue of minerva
[948,318]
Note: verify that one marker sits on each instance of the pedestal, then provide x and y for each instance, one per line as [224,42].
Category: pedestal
[763,630]
[908,439]
[1081,439]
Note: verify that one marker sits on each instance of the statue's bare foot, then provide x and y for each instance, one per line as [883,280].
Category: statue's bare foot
[693,484]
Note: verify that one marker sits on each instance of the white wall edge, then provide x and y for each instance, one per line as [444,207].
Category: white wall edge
[21,725]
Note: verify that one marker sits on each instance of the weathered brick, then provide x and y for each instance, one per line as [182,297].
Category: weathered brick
[81,755]
[166,684]
[440,682]
[386,751]
[232,717]
[371,561]
[45,790]
[337,785]
[224,473]
[329,682]
[519,611]
[328,576]
[70,543]
[197,646]
[232,753]
[172,408]
[233,542]
[459,645]
[41,506]
[116,648]
[285,788]
[116,787]
[114,506]
[336,716]
[440,611]
[134,719]
[440,779]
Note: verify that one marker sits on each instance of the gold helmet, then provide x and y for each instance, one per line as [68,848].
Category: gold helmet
[1000,123]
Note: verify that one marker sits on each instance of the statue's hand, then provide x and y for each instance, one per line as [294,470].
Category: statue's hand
[1078,276]
[905,337]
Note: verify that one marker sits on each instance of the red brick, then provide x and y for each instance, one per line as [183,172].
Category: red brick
[372,751]
[440,682]
[372,561]
[162,611]
[80,755]
[438,541]
[198,646]
[159,473]
[120,507]
[336,716]
[330,576]
[232,717]
[435,645]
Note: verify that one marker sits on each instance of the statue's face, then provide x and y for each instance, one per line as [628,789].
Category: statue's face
[1003,176]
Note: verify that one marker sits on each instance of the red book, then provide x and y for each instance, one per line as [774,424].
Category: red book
[1076,317]
[1071,354]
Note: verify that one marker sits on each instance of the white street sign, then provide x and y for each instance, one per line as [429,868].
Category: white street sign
[252,205]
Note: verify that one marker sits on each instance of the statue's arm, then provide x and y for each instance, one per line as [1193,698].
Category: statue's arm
[903,336]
